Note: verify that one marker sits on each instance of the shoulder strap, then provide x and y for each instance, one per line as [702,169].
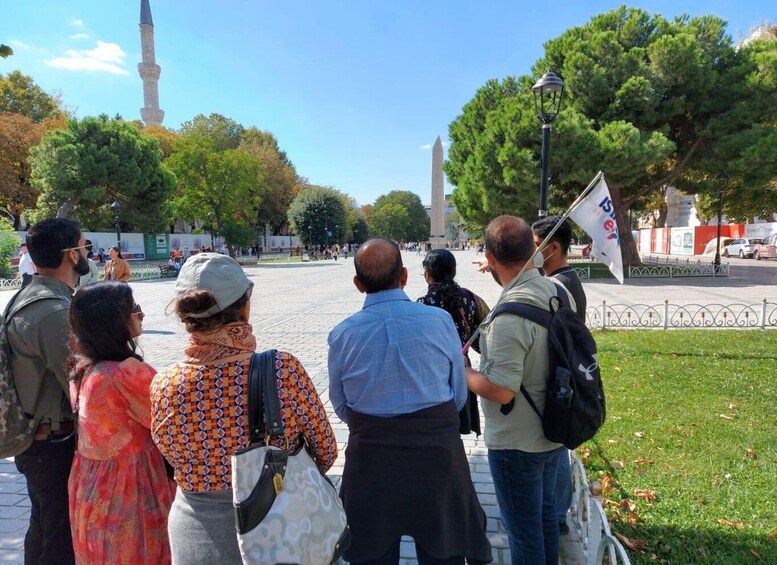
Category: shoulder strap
[263,402]
[533,313]
[538,316]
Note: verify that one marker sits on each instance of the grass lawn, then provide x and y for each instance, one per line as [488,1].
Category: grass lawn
[689,448]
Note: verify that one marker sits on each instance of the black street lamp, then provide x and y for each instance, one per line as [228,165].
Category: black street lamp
[310,236]
[116,207]
[723,178]
[548,92]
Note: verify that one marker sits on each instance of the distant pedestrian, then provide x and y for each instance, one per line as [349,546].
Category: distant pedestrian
[117,269]
[26,266]
[120,493]
[396,379]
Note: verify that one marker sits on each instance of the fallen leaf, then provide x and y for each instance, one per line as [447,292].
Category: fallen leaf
[617,369]
[731,405]
[611,441]
[643,461]
[756,555]
[716,483]
[619,464]
[633,518]
[738,525]
[628,505]
[750,453]
[639,434]
[653,556]
[606,483]
[637,545]
[727,475]
[773,533]
[703,551]
[728,416]
[645,493]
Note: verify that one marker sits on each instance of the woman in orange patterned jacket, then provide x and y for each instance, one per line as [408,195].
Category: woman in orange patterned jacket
[199,412]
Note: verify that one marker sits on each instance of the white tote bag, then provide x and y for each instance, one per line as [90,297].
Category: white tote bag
[286,510]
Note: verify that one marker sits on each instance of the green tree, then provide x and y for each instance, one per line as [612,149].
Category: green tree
[8,244]
[390,220]
[165,137]
[316,211]
[360,231]
[81,169]
[417,229]
[5,51]
[279,183]
[224,133]
[19,94]
[651,102]
[214,184]
[18,134]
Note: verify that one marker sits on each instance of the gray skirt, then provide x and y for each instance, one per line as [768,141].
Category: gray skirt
[202,530]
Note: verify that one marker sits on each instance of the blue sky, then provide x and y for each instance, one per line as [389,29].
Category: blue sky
[355,91]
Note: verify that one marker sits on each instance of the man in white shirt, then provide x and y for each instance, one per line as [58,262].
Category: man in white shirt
[26,266]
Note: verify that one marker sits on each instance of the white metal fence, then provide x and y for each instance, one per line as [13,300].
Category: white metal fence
[668,316]
[590,521]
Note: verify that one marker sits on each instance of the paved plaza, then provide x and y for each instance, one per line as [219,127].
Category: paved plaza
[294,306]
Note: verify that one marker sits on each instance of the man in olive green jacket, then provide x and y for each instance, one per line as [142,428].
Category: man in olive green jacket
[38,333]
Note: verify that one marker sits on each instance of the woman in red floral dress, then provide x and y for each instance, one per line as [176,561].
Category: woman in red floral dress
[120,494]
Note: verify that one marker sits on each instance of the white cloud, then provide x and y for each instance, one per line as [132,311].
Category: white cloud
[19,44]
[426,147]
[105,58]
[80,36]
[77,22]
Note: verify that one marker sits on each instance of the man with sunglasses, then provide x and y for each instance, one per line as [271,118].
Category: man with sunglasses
[38,333]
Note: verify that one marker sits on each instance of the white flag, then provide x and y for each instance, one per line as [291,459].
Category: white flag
[596,215]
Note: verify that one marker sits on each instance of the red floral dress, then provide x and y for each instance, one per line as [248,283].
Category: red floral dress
[120,494]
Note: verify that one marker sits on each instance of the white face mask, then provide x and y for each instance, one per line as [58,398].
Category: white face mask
[539,261]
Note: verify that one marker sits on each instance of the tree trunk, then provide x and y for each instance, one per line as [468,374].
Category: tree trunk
[663,212]
[629,252]
[64,210]
[17,220]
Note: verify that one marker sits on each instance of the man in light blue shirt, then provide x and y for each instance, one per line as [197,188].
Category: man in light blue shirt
[395,356]
[396,375]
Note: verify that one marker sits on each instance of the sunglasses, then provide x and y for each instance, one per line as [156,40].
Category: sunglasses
[136,311]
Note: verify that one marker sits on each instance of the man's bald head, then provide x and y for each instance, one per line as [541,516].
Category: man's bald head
[510,240]
[379,265]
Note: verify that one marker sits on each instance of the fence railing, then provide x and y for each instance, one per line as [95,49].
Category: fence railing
[672,270]
[669,316]
[582,272]
[590,521]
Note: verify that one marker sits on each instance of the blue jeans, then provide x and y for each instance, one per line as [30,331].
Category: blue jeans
[563,487]
[525,486]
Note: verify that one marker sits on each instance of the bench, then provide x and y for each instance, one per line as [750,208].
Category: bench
[168,271]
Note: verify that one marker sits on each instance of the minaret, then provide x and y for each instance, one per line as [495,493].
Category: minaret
[437,235]
[148,69]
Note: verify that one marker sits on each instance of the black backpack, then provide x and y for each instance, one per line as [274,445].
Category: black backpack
[574,397]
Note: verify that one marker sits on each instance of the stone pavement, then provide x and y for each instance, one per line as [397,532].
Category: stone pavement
[295,306]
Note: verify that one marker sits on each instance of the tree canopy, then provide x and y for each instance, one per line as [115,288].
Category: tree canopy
[216,187]
[418,223]
[316,211]
[649,101]
[390,220]
[81,169]
[19,94]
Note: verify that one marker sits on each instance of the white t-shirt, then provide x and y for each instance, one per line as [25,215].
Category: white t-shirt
[26,266]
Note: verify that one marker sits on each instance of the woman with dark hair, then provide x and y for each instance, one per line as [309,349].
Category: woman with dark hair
[119,491]
[199,415]
[467,310]
[117,269]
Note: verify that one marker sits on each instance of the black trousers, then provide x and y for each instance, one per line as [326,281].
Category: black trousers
[391,557]
[46,466]
[26,280]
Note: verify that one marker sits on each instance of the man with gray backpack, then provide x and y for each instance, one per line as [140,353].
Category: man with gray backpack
[36,419]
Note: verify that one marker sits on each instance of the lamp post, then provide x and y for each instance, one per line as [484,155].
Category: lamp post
[310,236]
[116,207]
[548,92]
[211,218]
[723,180]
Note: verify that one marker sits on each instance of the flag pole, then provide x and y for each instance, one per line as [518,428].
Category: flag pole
[530,260]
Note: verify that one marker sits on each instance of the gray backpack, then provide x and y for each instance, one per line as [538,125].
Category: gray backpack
[17,430]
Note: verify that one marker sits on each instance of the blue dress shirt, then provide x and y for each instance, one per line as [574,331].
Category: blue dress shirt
[395,356]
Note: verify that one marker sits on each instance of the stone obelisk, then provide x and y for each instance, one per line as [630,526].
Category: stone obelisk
[148,69]
[437,235]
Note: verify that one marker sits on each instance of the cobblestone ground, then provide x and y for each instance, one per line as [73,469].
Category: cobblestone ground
[293,308]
